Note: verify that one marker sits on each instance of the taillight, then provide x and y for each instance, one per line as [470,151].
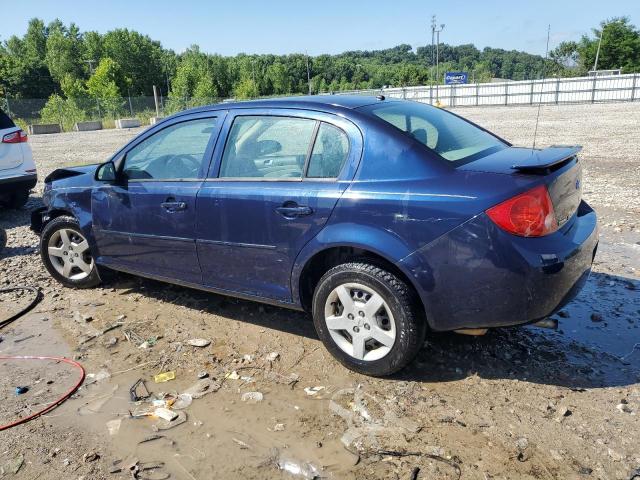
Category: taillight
[15,137]
[529,214]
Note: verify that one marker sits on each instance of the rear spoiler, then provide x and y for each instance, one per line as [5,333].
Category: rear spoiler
[546,159]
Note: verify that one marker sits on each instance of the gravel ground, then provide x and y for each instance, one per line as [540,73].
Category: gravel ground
[516,403]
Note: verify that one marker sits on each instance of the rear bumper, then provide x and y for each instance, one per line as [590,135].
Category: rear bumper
[478,276]
[14,184]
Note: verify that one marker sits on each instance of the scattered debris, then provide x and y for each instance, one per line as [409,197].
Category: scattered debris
[92,378]
[299,469]
[150,438]
[311,391]
[113,426]
[199,342]
[165,414]
[625,408]
[202,375]
[164,377]
[14,465]
[273,356]
[202,388]
[242,444]
[252,397]
[139,391]
[90,457]
[278,427]
[562,413]
[163,424]
[21,390]
[182,401]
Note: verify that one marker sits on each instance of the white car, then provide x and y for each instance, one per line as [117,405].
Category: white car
[17,168]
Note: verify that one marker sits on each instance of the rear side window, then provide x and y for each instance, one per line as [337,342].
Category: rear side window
[267,147]
[5,121]
[329,152]
[451,137]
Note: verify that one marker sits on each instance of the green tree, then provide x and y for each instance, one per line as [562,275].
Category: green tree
[139,58]
[64,51]
[103,86]
[246,88]
[620,47]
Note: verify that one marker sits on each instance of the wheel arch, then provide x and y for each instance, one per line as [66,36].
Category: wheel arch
[316,262]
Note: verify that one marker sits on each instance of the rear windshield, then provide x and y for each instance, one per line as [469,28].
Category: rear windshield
[5,121]
[451,137]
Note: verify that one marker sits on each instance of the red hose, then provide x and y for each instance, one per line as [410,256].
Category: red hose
[57,402]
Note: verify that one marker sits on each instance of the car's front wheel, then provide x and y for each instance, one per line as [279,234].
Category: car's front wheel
[66,254]
[368,318]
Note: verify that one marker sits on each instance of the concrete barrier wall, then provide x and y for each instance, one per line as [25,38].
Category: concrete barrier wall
[127,123]
[44,129]
[87,126]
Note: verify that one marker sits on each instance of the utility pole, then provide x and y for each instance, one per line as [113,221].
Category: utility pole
[595,64]
[433,39]
[438,59]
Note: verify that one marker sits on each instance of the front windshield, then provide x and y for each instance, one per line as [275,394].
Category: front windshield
[451,137]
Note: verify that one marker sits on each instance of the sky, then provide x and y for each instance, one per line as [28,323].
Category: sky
[327,26]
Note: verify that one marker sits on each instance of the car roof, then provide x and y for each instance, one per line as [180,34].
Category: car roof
[329,103]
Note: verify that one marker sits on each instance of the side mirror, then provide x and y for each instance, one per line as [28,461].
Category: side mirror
[106,172]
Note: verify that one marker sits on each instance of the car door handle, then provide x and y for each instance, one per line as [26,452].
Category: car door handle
[174,206]
[294,211]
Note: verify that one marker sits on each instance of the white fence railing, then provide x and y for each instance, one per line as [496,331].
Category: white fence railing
[613,88]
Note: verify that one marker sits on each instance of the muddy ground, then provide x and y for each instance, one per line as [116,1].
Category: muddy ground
[517,403]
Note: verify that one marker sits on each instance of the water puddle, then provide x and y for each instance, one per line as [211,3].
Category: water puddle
[605,317]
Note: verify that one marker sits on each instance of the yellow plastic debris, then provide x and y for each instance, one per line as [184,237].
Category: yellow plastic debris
[164,377]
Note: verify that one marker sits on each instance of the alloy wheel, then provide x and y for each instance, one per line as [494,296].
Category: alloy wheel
[360,321]
[69,254]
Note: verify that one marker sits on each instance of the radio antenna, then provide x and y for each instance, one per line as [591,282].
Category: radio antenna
[544,74]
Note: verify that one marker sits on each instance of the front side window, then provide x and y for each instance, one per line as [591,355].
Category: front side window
[175,152]
[267,147]
[452,138]
[329,152]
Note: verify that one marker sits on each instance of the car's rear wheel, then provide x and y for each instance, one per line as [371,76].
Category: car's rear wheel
[18,199]
[368,318]
[3,239]
[66,254]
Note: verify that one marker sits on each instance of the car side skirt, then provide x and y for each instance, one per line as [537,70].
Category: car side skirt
[198,286]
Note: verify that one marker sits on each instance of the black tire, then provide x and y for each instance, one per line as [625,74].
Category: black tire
[3,239]
[55,225]
[18,199]
[409,321]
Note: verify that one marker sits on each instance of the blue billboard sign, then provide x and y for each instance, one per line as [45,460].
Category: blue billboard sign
[455,78]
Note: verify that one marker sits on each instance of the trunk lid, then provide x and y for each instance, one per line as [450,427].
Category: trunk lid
[558,167]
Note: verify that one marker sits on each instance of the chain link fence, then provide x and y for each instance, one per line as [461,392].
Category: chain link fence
[68,112]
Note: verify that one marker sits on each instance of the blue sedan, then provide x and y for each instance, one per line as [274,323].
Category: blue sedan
[384,218]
